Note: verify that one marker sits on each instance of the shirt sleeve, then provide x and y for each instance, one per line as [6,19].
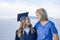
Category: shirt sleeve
[53,29]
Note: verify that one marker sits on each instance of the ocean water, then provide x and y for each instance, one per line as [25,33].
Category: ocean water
[9,26]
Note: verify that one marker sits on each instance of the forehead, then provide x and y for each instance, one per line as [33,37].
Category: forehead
[39,12]
[27,17]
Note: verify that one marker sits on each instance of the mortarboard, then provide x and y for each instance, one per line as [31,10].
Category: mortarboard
[21,16]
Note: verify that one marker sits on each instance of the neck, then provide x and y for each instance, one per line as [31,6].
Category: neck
[43,22]
[27,26]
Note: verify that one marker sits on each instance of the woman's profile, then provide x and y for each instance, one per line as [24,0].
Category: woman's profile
[46,29]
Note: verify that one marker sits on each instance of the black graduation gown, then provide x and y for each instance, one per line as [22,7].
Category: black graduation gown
[25,36]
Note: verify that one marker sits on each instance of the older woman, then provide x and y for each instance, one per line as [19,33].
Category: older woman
[46,29]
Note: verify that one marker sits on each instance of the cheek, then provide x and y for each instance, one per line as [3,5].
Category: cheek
[38,17]
[27,22]
[23,21]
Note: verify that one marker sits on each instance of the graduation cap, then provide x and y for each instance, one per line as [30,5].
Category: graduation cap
[22,16]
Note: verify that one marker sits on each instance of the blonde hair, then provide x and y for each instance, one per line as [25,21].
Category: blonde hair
[43,14]
[21,29]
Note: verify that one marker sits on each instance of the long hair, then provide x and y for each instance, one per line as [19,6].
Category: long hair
[21,29]
[43,14]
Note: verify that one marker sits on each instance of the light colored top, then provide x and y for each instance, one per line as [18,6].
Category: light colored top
[27,30]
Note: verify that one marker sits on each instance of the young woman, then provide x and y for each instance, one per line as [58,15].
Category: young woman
[25,32]
[46,29]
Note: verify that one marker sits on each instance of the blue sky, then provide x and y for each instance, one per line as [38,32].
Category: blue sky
[10,8]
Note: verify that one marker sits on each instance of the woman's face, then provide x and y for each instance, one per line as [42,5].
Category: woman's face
[27,21]
[38,16]
[23,21]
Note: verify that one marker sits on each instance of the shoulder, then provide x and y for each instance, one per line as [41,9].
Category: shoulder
[16,37]
[37,23]
[51,22]
[16,31]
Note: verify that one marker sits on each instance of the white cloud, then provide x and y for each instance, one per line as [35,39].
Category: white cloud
[11,9]
[8,9]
